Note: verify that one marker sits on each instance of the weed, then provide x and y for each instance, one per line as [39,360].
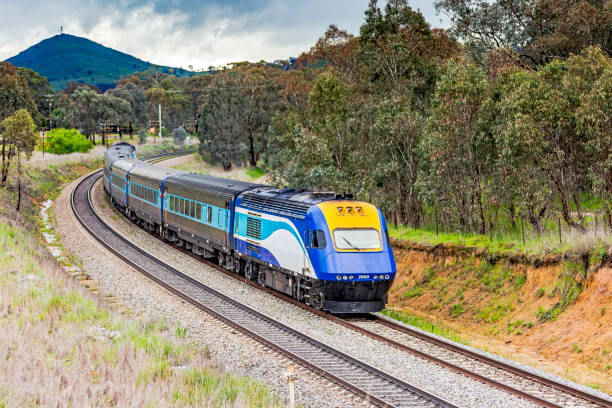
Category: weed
[603,311]
[424,324]
[181,332]
[457,309]
[428,275]
[540,292]
[568,288]
[414,292]
[577,349]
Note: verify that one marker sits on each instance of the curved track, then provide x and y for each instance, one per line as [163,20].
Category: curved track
[370,383]
[541,390]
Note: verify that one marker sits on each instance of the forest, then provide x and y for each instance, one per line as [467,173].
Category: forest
[500,123]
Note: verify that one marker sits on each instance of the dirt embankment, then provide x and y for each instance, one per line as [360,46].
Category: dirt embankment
[555,314]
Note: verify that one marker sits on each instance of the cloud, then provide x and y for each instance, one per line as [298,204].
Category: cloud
[185,32]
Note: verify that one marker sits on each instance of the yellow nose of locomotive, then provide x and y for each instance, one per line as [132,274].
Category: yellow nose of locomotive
[353,225]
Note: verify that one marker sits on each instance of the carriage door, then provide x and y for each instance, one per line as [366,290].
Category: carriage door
[222,222]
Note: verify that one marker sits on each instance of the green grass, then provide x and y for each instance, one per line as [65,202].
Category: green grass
[68,333]
[255,172]
[425,324]
[509,243]
[162,146]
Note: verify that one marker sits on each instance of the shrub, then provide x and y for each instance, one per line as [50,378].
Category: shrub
[179,135]
[63,141]
[142,137]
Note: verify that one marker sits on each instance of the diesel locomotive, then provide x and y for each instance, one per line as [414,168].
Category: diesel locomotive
[323,249]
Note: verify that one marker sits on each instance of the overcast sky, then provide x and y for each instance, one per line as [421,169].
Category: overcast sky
[180,33]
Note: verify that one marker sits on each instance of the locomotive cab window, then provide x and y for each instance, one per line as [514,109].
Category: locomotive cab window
[357,239]
[318,239]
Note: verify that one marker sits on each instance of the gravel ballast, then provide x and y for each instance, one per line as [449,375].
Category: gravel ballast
[231,350]
[458,389]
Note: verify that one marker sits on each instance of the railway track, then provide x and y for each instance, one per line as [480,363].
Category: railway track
[511,378]
[541,390]
[370,383]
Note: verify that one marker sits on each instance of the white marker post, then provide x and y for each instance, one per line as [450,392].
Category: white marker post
[291,377]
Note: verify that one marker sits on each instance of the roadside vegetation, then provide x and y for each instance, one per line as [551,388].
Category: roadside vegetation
[497,127]
[64,141]
[62,344]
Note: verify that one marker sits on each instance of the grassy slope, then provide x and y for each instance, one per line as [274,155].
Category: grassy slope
[62,345]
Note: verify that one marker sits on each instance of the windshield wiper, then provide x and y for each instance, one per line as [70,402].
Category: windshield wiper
[349,242]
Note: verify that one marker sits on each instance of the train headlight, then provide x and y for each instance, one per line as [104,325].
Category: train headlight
[344,277]
[382,277]
[339,277]
[375,276]
[386,276]
[351,277]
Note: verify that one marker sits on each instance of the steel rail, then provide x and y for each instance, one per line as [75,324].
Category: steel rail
[318,357]
[565,388]
[422,336]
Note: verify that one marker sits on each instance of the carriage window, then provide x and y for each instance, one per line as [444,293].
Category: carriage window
[209,215]
[198,211]
[176,204]
[182,208]
[192,212]
[318,239]
[171,203]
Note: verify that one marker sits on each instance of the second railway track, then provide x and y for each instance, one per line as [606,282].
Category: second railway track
[372,384]
[539,389]
[531,386]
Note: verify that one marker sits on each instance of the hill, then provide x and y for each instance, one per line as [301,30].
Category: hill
[64,58]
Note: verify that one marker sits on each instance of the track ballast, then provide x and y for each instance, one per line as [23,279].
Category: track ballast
[372,384]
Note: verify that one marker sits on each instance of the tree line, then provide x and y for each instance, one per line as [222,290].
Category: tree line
[505,115]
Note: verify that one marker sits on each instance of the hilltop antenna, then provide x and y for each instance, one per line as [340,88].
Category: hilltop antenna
[61,29]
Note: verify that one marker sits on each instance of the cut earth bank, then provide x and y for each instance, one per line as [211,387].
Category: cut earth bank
[553,312]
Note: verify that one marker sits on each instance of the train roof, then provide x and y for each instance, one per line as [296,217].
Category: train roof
[211,183]
[155,172]
[287,202]
[121,150]
[126,164]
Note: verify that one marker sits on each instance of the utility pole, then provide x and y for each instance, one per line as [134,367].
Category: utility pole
[160,122]
[50,122]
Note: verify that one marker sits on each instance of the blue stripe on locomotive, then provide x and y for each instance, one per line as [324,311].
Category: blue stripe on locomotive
[279,242]
[326,263]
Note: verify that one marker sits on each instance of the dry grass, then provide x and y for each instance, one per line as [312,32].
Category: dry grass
[61,347]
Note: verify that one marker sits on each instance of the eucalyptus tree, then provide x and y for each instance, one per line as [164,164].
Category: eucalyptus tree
[536,30]
[458,147]
[20,136]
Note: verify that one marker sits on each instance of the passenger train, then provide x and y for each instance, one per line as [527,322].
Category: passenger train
[326,250]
